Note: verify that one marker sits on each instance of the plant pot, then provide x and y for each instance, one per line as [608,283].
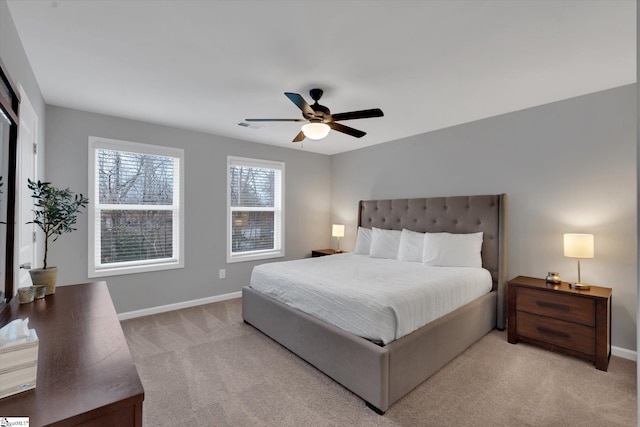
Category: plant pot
[46,277]
[26,294]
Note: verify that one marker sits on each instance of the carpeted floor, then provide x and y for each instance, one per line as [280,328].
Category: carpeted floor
[203,366]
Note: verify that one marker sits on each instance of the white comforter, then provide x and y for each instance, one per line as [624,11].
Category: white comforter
[378,299]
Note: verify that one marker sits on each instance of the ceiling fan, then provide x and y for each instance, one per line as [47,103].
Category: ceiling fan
[320,119]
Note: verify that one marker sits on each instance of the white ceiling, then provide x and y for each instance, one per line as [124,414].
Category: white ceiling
[208,65]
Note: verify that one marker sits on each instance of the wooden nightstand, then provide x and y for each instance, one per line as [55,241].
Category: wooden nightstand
[562,319]
[322,252]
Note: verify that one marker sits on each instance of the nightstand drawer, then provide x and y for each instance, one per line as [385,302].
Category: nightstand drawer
[558,332]
[553,304]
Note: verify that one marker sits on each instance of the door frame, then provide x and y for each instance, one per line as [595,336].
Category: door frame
[21,187]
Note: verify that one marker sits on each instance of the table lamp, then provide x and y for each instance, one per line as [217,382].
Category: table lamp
[578,246]
[337,231]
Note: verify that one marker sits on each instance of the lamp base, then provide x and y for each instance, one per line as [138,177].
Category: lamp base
[580,286]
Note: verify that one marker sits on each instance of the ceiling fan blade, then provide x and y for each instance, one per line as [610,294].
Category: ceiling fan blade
[299,137]
[274,120]
[301,103]
[346,129]
[362,114]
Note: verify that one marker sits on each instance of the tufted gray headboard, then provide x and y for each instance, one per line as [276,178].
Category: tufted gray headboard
[457,214]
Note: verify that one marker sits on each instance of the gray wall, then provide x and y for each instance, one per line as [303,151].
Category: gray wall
[307,202]
[568,166]
[638,188]
[15,59]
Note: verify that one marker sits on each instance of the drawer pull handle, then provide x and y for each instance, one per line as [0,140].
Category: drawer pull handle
[552,332]
[552,305]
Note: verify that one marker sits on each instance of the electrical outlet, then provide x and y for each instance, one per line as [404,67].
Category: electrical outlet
[222,274]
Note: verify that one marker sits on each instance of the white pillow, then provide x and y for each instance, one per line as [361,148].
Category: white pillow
[363,241]
[385,243]
[452,250]
[411,246]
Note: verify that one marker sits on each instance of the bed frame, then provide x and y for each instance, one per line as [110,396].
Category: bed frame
[382,375]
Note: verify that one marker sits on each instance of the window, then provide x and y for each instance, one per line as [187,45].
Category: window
[255,214]
[136,218]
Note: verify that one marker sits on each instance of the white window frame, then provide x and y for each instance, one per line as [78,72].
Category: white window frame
[277,252]
[95,269]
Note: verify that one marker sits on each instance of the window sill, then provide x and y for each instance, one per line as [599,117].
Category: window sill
[253,257]
[118,271]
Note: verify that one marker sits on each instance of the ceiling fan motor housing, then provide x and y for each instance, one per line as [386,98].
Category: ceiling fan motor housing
[321,112]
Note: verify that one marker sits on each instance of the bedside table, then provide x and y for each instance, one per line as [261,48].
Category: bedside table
[322,252]
[558,318]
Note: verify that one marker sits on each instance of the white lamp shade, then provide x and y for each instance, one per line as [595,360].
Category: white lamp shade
[315,130]
[578,245]
[337,230]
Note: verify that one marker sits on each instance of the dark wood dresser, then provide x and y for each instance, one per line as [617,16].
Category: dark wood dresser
[85,372]
[556,317]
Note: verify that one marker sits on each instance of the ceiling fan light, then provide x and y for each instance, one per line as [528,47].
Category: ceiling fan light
[316,130]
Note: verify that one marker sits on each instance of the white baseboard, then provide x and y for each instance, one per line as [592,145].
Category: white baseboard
[177,306]
[624,353]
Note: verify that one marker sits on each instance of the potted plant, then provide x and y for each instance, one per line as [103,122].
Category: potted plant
[55,212]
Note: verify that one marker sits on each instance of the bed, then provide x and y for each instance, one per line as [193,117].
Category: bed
[382,374]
